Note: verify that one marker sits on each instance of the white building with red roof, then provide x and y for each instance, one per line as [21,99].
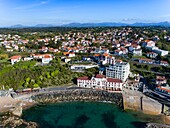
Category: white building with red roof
[100,82]
[161,80]
[15,59]
[134,47]
[47,58]
[164,63]
[148,43]
[152,54]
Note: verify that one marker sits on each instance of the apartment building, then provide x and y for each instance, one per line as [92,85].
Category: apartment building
[118,70]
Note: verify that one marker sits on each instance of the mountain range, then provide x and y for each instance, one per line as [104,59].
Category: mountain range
[103,24]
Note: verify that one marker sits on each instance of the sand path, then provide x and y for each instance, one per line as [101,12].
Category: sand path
[7,103]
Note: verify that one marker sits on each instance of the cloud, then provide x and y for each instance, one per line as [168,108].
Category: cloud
[31,5]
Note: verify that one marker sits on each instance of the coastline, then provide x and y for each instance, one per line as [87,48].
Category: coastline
[8,104]
[52,97]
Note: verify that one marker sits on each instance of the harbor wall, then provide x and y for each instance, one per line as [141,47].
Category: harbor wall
[143,103]
[70,95]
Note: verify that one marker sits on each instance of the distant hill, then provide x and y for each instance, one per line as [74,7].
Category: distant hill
[44,25]
[103,24]
[163,24]
[110,24]
[17,26]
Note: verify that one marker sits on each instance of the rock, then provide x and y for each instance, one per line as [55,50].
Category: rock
[17,111]
[78,95]
[11,121]
[155,125]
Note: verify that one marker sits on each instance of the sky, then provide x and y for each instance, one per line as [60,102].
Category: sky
[58,12]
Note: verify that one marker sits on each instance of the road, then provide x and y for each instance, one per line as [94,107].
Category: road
[166,73]
[160,98]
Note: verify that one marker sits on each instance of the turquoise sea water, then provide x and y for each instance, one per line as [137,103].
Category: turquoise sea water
[83,115]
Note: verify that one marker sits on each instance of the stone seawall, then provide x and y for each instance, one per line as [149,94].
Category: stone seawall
[143,103]
[78,95]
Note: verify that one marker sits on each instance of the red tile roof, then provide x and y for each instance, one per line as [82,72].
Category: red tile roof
[151,53]
[16,57]
[46,56]
[160,78]
[65,53]
[105,54]
[165,89]
[114,80]
[147,41]
[165,62]
[100,76]
[96,54]
[83,78]
[144,59]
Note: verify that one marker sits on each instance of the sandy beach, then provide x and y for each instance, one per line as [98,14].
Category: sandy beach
[8,103]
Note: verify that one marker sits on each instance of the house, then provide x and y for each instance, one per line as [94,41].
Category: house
[9,50]
[65,53]
[107,59]
[15,59]
[163,89]
[124,50]
[66,60]
[116,45]
[118,52]
[37,56]
[82,67]
[86,58]
[71,54]
[28,58]
[164,63]
[148,43]
[126,44]
[97,57]
[151,48]
[24,41]
[52,50]
[47,58]
[146,61]
[161,80]
[137,52]
[100,82]
[134,46]
[161,52]
[152,54]
[44,49]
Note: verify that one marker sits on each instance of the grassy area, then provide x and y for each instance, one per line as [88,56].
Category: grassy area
[4,60]
[138,57]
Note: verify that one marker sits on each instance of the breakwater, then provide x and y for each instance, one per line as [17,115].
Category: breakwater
[70,95]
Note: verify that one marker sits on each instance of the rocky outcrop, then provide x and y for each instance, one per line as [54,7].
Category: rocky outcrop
[155,125]
[78,95]
[17,111]
[11,121]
